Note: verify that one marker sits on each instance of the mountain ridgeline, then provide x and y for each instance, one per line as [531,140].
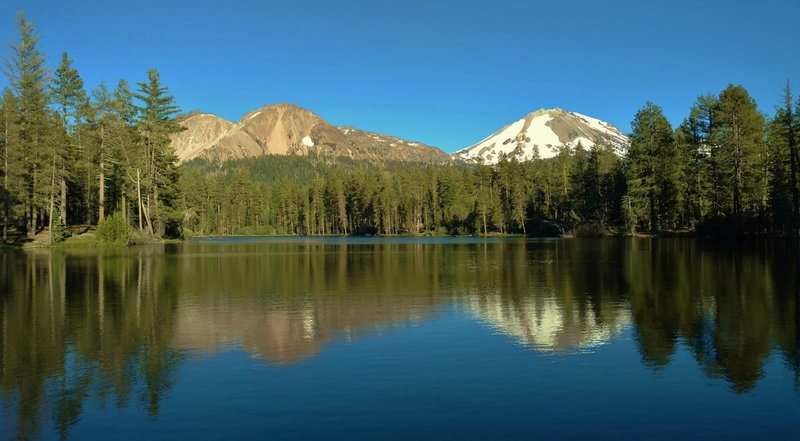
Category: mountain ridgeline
[72,156]
[285,129]
[543,134]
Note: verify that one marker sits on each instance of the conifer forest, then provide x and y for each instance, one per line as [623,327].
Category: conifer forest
[75,158]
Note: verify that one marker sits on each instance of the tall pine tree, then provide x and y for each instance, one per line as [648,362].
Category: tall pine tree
[28,79]
[738,134]
[652,171]
[70,99]
[157,172]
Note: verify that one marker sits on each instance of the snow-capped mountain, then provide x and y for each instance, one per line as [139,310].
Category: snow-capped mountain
[545,325]
[543,133]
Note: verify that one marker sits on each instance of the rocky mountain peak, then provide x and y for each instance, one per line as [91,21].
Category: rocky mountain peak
[286,129]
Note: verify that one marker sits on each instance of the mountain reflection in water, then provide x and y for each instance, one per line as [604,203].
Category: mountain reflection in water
[116,325]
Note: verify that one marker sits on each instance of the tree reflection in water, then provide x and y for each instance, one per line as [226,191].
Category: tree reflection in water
[114,325]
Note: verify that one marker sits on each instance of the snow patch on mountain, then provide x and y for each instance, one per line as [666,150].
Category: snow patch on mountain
[543,134]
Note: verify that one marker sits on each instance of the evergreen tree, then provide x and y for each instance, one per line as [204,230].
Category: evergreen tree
[652,171]
[103,120]
[581,185]
[28,78]
[484,200]
[738,133]
[156,170]
[70,99]
[125,149]
[8,114]
[695,148]
[782,135]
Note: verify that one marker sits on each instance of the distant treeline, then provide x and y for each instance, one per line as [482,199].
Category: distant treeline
[726,170]
[72,157]
[317,195]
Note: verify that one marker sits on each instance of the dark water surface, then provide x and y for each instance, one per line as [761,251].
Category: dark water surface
[402,339]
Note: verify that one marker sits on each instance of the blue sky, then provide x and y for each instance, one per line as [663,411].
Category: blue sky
[447,73]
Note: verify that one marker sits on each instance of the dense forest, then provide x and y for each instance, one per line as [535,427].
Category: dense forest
[72,157]
[727,169]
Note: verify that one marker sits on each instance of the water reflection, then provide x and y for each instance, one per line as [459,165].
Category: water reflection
[76,326]
[114,326]
[283,302]
[552,297]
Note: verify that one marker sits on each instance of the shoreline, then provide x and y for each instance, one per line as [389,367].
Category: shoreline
[90,241]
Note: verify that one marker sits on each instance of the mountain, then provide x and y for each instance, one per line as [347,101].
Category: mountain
[543,133]
[202,130]
[545,325]
[285,129]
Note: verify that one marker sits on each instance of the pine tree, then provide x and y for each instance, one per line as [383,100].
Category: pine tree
[70,99]
[580,189]
[789,121]
[28,78]
[698,158]
[738,133]
[484,196]
[8,114]
[782,137]
[125,149]
[652,172]
[157,172]
[103,119]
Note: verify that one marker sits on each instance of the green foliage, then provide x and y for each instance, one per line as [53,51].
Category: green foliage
[741,156]
[66,90]
[76,155]
[653,174]
[368,198]
[81,155]
[783,163]
[114,229]
[57,233]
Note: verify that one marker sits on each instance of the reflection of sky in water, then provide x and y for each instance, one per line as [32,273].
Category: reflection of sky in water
[291,339]
[450,378]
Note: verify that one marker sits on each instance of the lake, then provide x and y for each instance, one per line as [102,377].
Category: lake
[402,338]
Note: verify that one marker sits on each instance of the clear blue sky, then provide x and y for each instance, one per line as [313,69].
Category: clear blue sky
[447,73]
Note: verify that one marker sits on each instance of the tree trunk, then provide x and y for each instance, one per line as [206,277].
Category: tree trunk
[653,213]
[124,207]
[88,218]
[147,218]
[101,192]
[52,200]
[737,176]
[63,180]
[139,197]
[153,215]
[483,215]
[6,194]
[31,209]
[63,205]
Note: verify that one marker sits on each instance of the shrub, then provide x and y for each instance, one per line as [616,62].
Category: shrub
[591,229]
[57,233]
[140,237]
[114,230]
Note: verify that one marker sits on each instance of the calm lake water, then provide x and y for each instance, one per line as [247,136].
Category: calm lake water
[384,339]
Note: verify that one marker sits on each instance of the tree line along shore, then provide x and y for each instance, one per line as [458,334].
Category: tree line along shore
[76,159]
